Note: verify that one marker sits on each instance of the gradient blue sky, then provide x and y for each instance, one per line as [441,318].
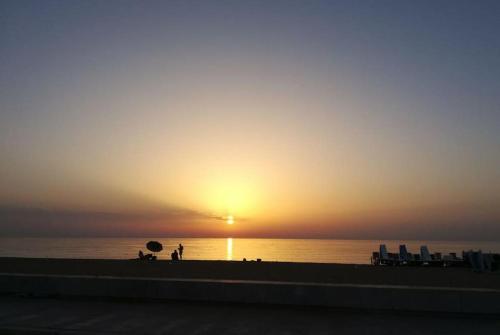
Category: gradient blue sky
[299,118]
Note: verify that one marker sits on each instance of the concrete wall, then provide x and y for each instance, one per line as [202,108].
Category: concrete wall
[373,297]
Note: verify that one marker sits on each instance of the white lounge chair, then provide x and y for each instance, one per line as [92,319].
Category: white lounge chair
[384,255]
[425,256]
[404,257]
[476,260]
[488,262]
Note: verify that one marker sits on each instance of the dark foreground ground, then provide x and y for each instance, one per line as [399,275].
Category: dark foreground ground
[20,315]
[266,271]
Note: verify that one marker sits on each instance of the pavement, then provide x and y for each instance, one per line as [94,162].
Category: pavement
[28,315]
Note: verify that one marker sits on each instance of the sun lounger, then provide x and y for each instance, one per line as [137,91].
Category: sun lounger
[448,260]
[488,262]
[496,262]
[404,257]
[425,256]
[384,256]
[452,260]
[475,259]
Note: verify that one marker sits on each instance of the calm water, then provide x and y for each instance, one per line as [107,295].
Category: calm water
[296,250]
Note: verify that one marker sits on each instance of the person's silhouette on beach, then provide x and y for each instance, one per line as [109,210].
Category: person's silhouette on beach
[175,255]
[181,249]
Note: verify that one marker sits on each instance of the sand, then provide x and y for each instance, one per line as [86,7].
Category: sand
[269,271]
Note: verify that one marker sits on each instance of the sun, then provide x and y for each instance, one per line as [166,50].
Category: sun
[230,219]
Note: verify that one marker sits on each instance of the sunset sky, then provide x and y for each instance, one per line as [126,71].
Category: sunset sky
[333,119]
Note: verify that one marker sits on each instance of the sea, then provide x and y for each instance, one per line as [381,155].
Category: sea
[231,249]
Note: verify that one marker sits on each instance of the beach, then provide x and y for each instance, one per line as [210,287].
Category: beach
[259,271]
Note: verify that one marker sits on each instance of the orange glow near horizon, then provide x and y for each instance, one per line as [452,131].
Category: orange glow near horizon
[196,125]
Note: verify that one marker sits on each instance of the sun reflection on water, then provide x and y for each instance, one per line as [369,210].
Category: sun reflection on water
[229,254]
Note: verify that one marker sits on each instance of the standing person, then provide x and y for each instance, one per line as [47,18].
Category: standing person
[181,249]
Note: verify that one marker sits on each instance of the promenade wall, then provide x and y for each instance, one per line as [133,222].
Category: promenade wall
[343,296]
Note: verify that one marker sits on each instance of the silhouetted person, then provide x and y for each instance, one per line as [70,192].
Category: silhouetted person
[175,256]
[181,249]
[146,257]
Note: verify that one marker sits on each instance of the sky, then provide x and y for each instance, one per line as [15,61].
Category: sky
[321,119]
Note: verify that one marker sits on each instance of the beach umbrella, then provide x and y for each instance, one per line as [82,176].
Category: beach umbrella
[154,246]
